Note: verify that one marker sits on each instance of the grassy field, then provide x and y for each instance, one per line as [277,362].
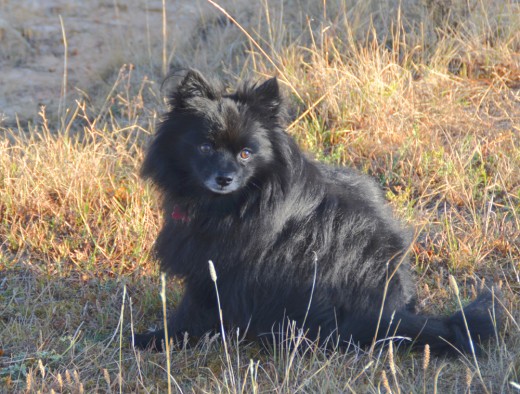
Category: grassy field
[422,95]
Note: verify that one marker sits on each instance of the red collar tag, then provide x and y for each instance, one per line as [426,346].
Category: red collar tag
[179,215]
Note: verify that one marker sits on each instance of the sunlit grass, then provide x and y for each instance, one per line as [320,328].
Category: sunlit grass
[428,105]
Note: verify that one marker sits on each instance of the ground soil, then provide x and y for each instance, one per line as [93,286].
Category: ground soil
[101,35]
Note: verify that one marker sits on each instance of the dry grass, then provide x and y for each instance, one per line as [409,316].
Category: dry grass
[425,98]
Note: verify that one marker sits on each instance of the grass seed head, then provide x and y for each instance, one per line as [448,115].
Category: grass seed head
[212,271]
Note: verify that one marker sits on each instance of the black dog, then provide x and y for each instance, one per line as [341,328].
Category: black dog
[291,239]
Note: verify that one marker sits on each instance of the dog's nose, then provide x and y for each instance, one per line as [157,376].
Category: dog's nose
[223,180]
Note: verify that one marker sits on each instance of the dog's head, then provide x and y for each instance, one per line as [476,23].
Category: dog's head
[212,141]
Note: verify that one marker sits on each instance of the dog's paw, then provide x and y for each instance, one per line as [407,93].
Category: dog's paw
[149,341]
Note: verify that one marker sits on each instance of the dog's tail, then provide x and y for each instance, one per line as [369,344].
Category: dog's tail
[460,332]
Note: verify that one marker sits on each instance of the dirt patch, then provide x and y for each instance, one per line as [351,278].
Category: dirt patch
[101,36]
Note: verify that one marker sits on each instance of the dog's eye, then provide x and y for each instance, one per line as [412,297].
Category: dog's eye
[206,148]
[245,154]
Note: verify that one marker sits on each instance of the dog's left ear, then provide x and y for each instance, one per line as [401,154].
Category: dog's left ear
[267,96]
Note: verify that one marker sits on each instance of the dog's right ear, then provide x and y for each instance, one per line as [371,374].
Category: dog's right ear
[192,87]
[195,85]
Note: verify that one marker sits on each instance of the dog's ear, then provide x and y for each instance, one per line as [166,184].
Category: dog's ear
[266,96]
[265,99]
[195,85]
[192,87]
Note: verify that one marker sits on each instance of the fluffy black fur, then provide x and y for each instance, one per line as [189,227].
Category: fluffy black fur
[280,227]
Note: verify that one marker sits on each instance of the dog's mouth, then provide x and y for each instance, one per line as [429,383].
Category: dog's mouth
[219,185]
[221,191]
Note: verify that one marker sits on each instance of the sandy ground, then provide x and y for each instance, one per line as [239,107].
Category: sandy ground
[101,36]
